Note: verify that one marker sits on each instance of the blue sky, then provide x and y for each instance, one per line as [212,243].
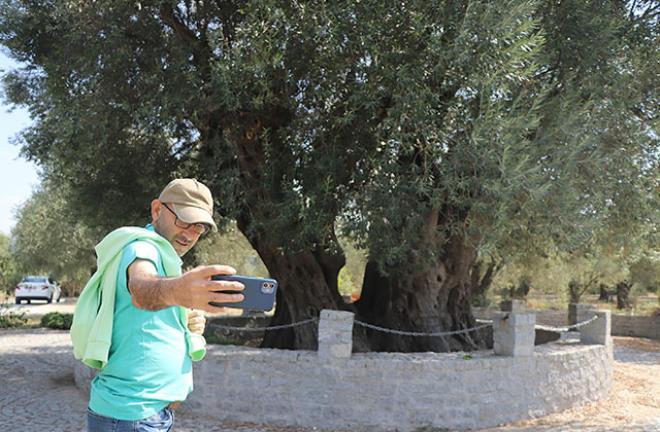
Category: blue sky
[17,176]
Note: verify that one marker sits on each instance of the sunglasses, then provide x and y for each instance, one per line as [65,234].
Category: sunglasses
[199,228]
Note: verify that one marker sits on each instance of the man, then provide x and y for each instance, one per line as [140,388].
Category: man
[148,368]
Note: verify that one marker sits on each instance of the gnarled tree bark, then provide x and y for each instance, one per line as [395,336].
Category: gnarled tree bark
[422,298]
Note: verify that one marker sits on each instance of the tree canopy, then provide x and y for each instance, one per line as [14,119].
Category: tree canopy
[424,130]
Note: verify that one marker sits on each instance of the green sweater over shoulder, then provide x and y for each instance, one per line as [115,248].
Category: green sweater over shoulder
[91,331]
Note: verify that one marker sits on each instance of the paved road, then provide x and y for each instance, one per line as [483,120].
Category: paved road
[38,308]
[37,392]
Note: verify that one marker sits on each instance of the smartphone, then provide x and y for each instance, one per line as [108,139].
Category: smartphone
[258,294]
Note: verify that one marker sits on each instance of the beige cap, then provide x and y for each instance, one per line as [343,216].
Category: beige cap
[191,201]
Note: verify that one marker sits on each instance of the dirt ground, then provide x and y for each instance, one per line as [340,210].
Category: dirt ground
[633,403]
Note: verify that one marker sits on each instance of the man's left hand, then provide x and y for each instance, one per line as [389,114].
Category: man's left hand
[196,321]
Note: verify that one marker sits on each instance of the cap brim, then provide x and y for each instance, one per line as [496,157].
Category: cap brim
[189,214]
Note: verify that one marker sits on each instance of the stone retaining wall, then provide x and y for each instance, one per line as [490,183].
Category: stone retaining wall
[334,388]
[403,392]
[648,327]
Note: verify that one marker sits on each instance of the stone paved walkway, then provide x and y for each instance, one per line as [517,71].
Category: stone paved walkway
[37,392]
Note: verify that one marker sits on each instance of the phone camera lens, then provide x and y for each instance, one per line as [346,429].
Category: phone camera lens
[267,287]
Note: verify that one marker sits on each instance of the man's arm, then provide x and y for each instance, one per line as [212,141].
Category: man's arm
[194,289]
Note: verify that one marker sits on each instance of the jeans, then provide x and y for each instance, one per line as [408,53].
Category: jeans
[160,422]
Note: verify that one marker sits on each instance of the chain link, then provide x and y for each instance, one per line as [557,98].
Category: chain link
[259,329]
[566,328]
[409,333]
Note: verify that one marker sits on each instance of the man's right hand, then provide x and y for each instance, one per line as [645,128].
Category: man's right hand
[195,289]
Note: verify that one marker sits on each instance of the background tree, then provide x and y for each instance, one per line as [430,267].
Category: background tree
[645,272]
[428,129]
[603,293]
[49,240]
[8,274]
[623,295]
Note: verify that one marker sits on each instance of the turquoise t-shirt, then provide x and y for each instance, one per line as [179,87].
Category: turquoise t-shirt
[148,365]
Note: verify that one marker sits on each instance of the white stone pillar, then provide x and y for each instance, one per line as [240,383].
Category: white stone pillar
[335,334]
[513,333]
[599,330]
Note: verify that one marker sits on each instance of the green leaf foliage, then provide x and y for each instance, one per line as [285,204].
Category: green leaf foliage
[230,246]
[8,272]
[48,239]
[513,125]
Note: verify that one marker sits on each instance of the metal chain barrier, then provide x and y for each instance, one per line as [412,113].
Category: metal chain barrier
[566,328]
[409,333]
[551,328]
[259,329]
[485,323]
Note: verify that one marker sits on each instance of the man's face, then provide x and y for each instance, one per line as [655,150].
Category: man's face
[163,220]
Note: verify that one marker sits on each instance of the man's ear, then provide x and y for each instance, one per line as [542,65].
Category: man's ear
[156,208]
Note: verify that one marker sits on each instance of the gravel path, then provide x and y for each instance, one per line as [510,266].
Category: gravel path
[37,392]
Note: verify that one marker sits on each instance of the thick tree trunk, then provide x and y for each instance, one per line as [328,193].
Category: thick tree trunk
[623,295]
[604,294]
[434,300]
[308,278]
[574,292]
[520,292]
[307,284]
[479,284]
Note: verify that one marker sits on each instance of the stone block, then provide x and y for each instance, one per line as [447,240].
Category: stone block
[335,334]
[513,334]
[598,331]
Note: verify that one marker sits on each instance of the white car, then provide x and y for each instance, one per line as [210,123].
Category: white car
[37,288]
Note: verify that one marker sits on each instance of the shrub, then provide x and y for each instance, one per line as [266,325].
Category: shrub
[56,320]
[9,318]
[13,320]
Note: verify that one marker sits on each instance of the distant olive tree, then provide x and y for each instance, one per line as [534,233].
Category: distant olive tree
[8,272]
[49,240]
